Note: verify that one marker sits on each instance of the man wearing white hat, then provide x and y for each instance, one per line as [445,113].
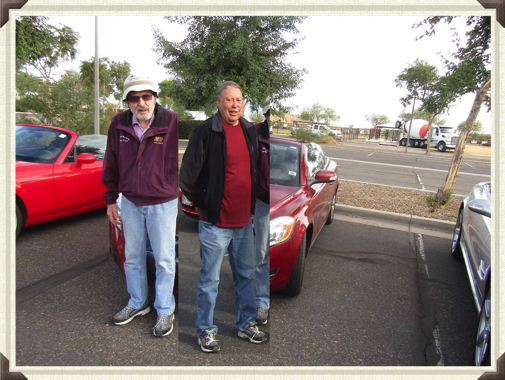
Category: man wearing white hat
[141,162]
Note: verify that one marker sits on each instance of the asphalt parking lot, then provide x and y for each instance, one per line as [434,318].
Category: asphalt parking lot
[367,301]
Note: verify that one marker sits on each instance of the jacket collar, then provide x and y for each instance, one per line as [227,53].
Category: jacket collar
[217,123]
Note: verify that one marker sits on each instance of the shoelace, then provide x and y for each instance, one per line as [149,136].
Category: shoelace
[162,319]
[210,337]
[126,309]
[254,328]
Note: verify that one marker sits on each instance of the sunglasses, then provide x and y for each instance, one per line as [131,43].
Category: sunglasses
[136,98]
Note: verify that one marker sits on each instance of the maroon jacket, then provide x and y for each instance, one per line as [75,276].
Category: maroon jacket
[263,162]
[145,172]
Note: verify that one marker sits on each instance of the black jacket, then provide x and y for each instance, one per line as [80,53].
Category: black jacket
[203,169]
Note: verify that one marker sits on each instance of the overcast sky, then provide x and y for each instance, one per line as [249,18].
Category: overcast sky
[352,61]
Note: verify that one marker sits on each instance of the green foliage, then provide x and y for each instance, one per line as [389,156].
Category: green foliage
[420,113]
[251,51]
[186,127]
[376,119]
[317,113]
[166,99]
[111,76]
[437,200]
[43,46]
[417,79]
[256,117]
[476,127]
[306,135]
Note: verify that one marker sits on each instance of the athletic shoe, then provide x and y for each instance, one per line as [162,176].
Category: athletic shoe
[128,313]
[252,333]
[261,316]
[207,341]
[164,325]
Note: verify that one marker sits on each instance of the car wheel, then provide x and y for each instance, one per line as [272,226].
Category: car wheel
[403,142]
[295,283]
[441,146]
[332,210]
[416,143]
[411,143]
[456,237]
[19,220]
[483,340]
[422,144]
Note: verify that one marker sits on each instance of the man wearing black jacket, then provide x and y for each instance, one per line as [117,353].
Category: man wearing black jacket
[218,174]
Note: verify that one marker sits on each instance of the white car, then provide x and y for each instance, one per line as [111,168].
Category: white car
[472,242]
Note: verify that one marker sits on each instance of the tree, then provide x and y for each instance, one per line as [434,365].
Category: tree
[476,127]
[420,113]
[256,117]
[43,46]
[471,72]
[251,51]
[111,76]
[317,113]
[166,99]
[375,120]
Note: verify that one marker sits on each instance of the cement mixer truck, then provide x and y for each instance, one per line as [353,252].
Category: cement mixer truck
[442,137]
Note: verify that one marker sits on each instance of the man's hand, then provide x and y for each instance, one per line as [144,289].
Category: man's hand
[112,214]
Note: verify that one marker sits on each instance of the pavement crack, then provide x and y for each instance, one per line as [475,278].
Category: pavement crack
[32,291]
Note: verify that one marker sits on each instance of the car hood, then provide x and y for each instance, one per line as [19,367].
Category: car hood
[24,164]
[281,195]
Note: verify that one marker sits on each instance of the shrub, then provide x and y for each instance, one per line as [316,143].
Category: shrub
[186,127]
[305,135]
[328,139]
[438,199]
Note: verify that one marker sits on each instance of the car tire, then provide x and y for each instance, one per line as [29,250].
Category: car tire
[441,146]
[416,143]
[483,338]
[412,143]
[295,282]
[19,221]
[403,142]
[456,237]
[422,144]
[331,213]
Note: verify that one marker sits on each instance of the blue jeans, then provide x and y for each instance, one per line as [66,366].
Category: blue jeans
[214,241]
[159,223]
[262,254]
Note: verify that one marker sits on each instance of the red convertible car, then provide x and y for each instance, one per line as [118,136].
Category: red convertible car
[303,191]
[58,173]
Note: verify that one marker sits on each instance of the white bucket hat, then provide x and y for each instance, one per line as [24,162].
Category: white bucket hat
[138,83]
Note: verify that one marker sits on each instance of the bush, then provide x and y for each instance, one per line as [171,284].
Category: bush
[437,200]
[328,139]
[305,135]
[186,127]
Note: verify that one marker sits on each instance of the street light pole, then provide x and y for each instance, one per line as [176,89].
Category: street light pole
[97,92]
[410,126]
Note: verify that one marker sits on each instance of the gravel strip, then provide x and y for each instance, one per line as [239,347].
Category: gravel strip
[393,199]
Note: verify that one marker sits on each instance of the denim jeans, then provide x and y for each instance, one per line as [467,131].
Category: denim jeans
[214,241]
[159,223]
[262,254]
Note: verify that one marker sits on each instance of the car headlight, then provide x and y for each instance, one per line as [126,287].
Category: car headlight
[280,229]
[185,201]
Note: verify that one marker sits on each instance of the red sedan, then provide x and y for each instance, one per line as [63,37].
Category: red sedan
[303,191]
[58,173]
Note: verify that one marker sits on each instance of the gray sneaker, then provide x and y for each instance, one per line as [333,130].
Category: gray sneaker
[208,342]
[128,313]
[252,333]
[261,316]
[164,325]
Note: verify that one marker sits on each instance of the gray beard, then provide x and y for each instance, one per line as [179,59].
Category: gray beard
[144,118]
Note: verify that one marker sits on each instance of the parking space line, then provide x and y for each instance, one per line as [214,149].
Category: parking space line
[370,154]
[407,167]
[420,182]
[470,165]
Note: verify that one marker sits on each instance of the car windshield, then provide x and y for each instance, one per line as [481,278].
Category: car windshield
[445,130]
[284,164]
[93,144]
[39,144]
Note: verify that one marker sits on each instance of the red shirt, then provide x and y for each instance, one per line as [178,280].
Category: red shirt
[235,209]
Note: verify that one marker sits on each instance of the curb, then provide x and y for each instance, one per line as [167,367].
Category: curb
[410,222]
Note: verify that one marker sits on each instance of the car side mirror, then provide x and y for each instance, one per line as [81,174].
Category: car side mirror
[480,206]
[84,158]
[323,176]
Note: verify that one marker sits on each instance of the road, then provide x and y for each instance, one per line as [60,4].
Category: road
[390,166]
[367,296]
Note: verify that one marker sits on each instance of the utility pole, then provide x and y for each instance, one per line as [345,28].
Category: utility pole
[410,126]
[97,92]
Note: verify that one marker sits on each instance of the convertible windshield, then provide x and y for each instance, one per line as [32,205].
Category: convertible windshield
[284,164]
[39,144]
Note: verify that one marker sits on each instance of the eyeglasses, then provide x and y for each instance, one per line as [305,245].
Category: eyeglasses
[136,98]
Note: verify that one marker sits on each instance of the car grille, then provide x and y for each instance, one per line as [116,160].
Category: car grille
[454,140]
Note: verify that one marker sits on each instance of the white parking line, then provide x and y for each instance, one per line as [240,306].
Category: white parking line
[420,182]
[407,167]
[397,187]
[370,154]
[470,165]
